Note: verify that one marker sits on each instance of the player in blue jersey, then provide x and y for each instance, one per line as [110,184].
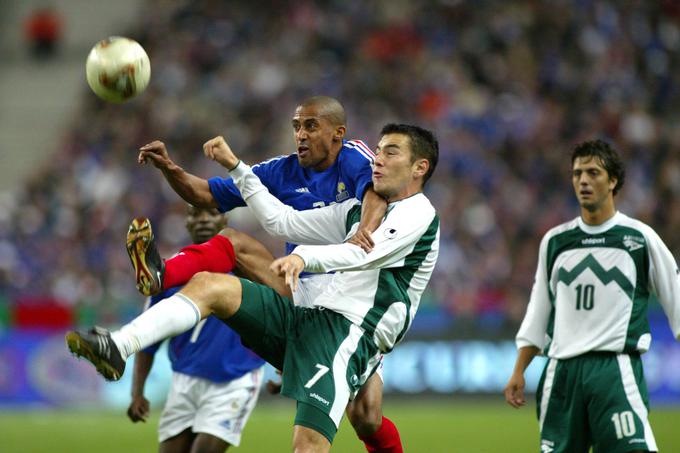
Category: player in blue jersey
[326,169]
[215,382]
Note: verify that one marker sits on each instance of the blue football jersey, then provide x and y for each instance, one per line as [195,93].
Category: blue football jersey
[211,350]
[304,188]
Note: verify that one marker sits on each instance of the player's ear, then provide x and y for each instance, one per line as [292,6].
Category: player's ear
[420,167]
[612,183]
[339,132]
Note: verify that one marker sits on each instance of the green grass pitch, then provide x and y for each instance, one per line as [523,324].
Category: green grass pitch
[450,425]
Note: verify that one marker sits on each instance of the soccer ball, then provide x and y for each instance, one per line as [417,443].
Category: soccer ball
[117,69]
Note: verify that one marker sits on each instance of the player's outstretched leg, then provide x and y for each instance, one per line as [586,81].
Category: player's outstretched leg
[152,274]
[97,346]
[207,293]
[146,260]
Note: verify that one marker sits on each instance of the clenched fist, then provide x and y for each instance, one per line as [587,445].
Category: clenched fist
[218,150]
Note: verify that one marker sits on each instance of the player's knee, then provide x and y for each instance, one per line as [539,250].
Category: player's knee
[306,440]
[204,286]
[202,280]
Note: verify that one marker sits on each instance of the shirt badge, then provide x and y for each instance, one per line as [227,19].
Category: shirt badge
[390,233]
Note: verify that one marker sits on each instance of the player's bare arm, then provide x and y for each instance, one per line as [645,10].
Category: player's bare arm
[139,408]
[373,211]
[514,390]
[191,188]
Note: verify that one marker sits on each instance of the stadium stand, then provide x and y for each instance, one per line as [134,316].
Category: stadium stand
[508,86]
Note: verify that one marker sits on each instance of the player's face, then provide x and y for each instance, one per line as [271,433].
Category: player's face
[315,137]
[204,223]
[394,172]
[592,184]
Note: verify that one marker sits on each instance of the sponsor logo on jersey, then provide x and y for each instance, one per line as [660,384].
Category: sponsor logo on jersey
[302,190]
[390,233]
[226,424]
[637,441]
[592,241]
[342,192]
[633,242]
[318,398]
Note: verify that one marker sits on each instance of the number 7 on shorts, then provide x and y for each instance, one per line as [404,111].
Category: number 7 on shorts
[322,370]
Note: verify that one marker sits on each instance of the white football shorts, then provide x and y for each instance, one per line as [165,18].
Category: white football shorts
[309,288]
[219,409]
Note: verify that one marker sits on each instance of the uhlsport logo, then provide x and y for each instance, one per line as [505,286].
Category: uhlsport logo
[319,398]
[593,241]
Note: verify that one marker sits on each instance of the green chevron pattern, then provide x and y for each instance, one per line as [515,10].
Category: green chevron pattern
[613,274]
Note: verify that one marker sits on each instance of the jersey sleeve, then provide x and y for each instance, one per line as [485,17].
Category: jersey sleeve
[394,239]
[664,279]
[360,160]
[227,195]
[532,332]
[315,226]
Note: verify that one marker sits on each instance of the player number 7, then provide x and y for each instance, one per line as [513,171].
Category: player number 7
[322,370]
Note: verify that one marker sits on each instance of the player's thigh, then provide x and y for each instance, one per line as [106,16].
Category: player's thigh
[327,361]
[561,409]
[365,410]
[207,443]
[263,321]
[619,405]
[224,407]
[253,261]
[179,443]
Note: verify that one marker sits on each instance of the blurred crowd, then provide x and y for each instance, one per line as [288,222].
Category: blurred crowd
[509,88]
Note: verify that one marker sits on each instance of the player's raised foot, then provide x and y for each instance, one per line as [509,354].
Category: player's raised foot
[97,346]
[146,260]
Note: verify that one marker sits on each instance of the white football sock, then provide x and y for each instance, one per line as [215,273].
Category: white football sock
[167,318]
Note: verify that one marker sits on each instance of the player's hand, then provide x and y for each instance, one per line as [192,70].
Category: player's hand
[363,239]
[155,153]
[139,409]
[514,391]
[218,150]
[273,387]
[290,267]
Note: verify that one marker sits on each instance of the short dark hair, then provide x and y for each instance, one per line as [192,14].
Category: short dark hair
[608,157]
[424,144]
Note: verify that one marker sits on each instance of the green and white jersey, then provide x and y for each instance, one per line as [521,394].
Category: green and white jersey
[592,286]
[378,291]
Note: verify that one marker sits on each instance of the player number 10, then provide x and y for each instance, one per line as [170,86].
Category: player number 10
[624,424]
[585,297]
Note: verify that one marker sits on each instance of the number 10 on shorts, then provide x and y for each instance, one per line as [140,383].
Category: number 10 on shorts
[322,370]
[624,424]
